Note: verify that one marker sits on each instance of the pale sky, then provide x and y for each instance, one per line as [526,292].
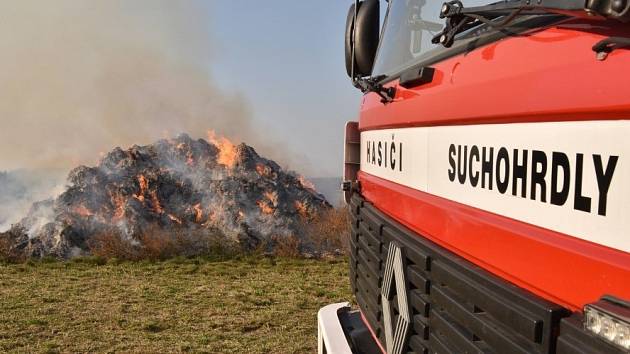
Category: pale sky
[287,58]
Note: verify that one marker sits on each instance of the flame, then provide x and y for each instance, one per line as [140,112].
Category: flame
[300,207]
[211,218]
[262,169]
[83,211]
[119,206]
[198,212]
[174,218]
[306,183]
[144,185]
[143,182]
[157,207]
[227,150]
[189,159]
[272,197]
[265,208]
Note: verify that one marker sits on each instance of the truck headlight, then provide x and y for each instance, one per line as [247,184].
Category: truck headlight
[609,319]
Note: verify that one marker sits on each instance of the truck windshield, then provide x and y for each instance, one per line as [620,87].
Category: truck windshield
[407,32]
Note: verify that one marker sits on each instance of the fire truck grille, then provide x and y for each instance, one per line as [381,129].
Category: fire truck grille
[452,305]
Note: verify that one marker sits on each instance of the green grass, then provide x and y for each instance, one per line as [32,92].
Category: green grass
[248,305]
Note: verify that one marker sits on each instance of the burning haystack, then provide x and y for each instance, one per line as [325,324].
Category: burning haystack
[177,185]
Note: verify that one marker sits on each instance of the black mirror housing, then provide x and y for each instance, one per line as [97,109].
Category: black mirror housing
[362,36]
[351,64]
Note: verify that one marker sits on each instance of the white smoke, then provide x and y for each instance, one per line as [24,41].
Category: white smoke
[81,77]
[20,189]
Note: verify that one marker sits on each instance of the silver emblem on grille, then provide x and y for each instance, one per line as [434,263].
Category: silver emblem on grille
[394,276]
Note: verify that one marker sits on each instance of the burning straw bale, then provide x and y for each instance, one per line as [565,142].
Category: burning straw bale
[168,198]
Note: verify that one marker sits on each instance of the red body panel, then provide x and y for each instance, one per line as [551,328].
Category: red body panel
[560,268]
[547,75]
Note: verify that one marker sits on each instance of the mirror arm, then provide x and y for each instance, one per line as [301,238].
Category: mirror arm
[371,84]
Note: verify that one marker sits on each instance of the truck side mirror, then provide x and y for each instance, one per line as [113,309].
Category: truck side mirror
[362,35]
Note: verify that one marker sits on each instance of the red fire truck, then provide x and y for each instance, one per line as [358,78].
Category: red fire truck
[488,179]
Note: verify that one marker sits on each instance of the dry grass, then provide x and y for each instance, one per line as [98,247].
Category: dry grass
[246,305]
[289,247]
[155,244]
[329,232]
[111,244]
[8,253]
[5,247]
[323,235]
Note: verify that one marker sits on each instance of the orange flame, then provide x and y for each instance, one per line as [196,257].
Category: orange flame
[83,211]
[144,185]
[157,207]
[119,206]
[190,161]
[306,183]
[211,218]
[144,188]
[227,150]
[265,208]
[174,218]
[198,212]
[300,207]
[272,197]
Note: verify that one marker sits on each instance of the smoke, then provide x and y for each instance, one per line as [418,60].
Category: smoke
[20,189]
[80,77]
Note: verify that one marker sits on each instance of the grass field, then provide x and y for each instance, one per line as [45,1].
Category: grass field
[247,305]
